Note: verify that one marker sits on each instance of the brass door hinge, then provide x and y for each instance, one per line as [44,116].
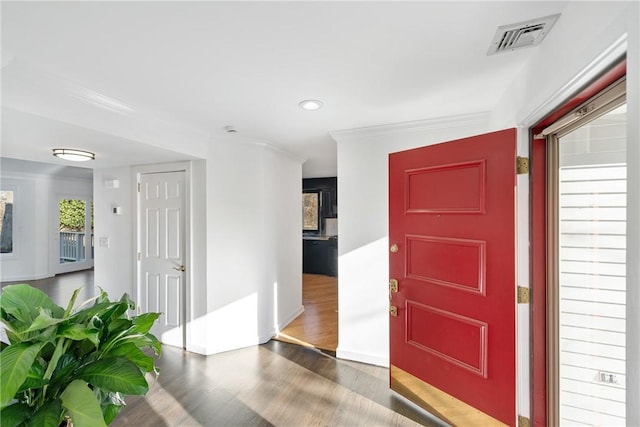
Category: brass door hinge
[523,295]
[138,187]
[522,165]
[523,421]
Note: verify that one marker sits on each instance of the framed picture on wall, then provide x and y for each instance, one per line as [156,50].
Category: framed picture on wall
[311,211]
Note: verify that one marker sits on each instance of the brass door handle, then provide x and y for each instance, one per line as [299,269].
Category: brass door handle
[181,268]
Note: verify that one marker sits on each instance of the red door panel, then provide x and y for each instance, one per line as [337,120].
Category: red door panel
[452,216]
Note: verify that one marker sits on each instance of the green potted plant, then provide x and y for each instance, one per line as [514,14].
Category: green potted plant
[71,366]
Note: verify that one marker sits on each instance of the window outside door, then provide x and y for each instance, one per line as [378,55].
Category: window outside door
[585,257]
[75,234]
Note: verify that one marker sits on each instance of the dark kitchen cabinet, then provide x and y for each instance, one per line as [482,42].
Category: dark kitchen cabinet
[320,256]
[314,256]
[332,258]
[328,190]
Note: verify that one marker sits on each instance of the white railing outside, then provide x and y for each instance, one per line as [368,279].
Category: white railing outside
[72,246]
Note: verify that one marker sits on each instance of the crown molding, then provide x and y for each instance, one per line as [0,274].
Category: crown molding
[264,143]
[448,122]
[281,151]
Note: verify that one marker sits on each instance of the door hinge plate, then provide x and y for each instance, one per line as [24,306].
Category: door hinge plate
[523,295]
[138,187]
[393,285]
[523,421]
[139,256]
[522,165]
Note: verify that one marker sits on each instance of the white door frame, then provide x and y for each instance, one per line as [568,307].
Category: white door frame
[188,276]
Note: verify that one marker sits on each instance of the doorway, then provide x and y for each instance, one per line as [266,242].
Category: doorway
[317,326]
[75,234]
[452,268]
[161,257]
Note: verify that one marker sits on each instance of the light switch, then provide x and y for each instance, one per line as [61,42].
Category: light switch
[103,242]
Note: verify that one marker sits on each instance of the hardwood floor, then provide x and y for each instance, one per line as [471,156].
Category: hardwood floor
[275,384]
[317,326]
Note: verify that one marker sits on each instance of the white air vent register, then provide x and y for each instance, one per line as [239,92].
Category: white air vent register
[521,35]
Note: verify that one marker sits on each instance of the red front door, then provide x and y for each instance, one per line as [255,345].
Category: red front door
[452,236]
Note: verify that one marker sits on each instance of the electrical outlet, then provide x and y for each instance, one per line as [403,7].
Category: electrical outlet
[607,377]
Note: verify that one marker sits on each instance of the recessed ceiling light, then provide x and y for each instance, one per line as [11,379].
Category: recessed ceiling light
[73,155]
[310,104]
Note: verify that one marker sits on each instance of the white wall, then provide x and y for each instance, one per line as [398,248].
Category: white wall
[113,265]
[35,232]
[283,227]
[254,242]
[245,232]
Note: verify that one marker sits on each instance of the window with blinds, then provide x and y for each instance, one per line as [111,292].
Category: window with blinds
[592,185]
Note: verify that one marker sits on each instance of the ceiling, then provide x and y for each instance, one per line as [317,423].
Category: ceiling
[196,67]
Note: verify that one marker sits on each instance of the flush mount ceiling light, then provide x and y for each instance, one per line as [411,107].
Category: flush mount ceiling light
[73,155]
[310,104]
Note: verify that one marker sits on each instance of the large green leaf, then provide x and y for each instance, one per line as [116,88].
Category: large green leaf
[49,415]
[17,333]
[14,415]
[24,302]
[34,377]
[115,374]
[141,341]
[119,325]
[127,300]
[111,403]
[110,412]
[132,353]
[66,364]
[44,320]
[82,404]
[144,322]
[96,309]
[15,363]
[78,332]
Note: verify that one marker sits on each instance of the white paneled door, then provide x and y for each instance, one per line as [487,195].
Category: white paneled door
[161,257]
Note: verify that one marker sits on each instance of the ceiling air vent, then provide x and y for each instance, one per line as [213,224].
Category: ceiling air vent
[521,35]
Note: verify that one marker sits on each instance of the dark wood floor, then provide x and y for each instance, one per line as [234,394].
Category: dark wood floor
[274,384]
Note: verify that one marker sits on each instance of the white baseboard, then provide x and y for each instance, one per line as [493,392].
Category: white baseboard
[357,356]
[291,318]
[25,278]
[196,349]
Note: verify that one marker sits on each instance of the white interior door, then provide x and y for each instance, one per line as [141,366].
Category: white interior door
[161,253]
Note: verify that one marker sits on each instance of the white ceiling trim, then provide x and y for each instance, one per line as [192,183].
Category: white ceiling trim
[239,139]
[456,121]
